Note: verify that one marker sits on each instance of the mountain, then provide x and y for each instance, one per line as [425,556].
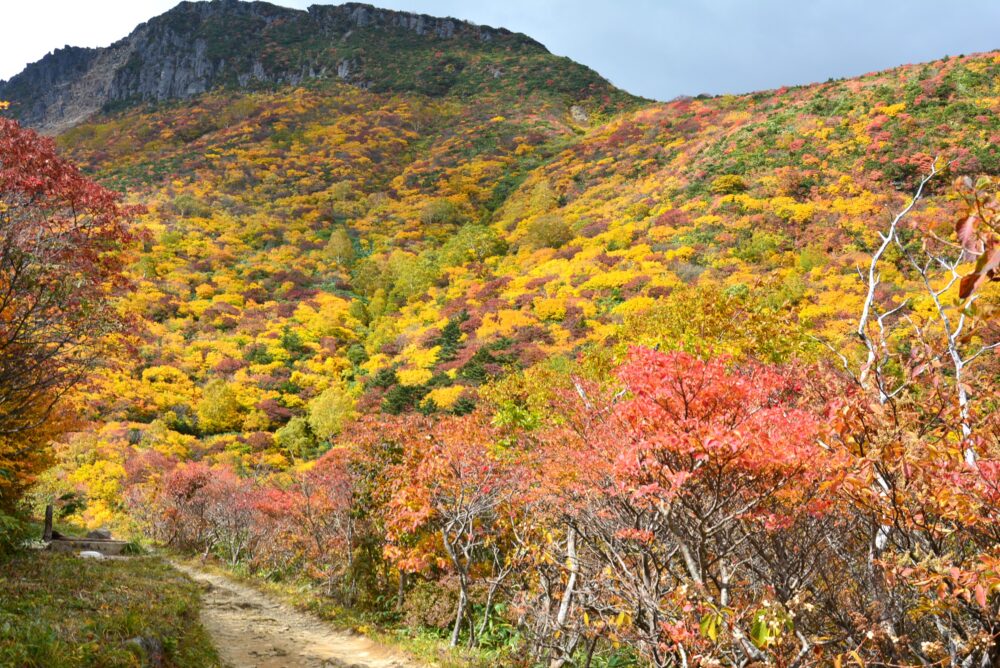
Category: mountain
[356,218]
[457,205]
[418,247]
[201,46]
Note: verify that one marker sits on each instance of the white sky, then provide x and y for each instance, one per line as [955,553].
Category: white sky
[656,48]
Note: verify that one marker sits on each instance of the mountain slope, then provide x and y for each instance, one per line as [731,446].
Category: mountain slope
[320,256]
[403,250]
[320,248]
[201,46]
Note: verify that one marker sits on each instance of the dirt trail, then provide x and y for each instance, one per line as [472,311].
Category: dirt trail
[251,630]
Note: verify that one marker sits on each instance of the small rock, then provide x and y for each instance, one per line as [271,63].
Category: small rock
[91,554]
[152,648]
[578,114]
[99,534]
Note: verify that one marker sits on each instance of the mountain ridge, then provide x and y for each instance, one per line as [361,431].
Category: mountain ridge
[201,46]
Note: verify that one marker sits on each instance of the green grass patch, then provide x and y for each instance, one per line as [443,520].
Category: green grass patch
[62,611]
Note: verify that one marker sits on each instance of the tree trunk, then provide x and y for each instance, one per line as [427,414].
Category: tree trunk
[565,603]
[459,616]
[401,591]
[47,532]
[352,583]
[489,606]
[591,646]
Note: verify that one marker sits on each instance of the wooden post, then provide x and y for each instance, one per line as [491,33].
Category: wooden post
[47,534]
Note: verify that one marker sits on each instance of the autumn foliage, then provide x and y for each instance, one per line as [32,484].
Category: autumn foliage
[61,265]
[712,382]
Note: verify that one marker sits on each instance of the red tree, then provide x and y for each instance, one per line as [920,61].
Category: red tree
[315,518]
[61,261]
[694,505]
[454,482]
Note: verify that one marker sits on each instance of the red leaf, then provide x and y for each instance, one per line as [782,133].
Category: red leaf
[980,595]
[965,228]
[986,269]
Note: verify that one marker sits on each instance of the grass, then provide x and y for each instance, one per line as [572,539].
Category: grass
[60,611]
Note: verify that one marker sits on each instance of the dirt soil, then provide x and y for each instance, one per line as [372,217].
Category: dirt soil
[251,630]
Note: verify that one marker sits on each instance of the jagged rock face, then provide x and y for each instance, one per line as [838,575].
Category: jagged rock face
[42,91]
[198,46]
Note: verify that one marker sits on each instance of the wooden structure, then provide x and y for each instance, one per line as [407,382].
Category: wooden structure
[92,543]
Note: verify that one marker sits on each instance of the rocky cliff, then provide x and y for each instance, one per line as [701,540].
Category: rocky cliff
[198,46]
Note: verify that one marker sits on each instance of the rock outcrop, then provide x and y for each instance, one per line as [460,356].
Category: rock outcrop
[198,46]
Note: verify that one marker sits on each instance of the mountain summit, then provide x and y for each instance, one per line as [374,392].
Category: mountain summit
[199,46]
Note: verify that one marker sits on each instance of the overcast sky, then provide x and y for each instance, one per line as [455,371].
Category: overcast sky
[656,48]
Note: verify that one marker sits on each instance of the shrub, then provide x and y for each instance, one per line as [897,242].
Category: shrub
[548,231]
[728,184]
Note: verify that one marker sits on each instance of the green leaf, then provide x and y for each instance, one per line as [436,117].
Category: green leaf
[710,625]
[759,633]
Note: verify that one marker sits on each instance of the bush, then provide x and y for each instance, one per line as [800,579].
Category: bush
[430,604]
[297,439]
[442,212]
[728,184]
[330,411]
[761,246]
[548,231]
[218,411]
[14,531]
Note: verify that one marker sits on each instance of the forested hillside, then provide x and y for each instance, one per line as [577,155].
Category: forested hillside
[553,371]
[394,254]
